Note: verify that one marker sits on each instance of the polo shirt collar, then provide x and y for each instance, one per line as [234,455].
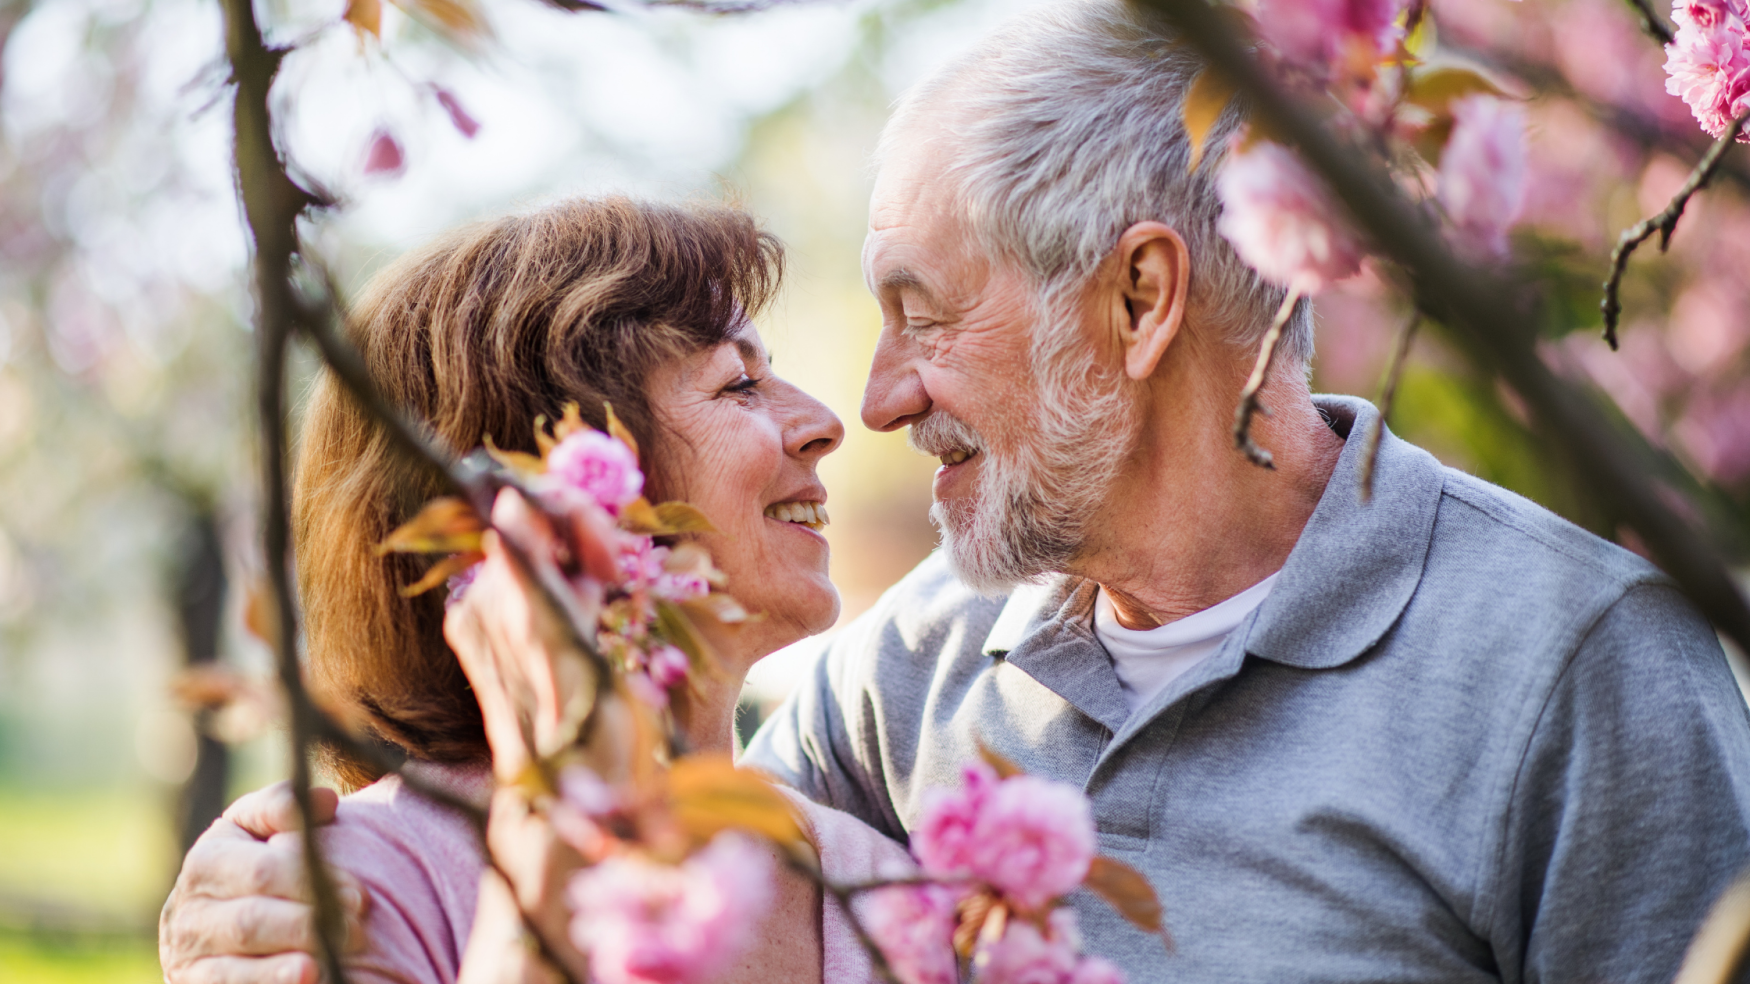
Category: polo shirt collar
[1345,583]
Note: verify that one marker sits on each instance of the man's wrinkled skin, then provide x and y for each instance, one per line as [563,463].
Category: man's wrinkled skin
[240,911]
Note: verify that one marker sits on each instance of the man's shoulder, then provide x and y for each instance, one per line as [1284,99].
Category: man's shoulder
[1498,559]
[928,614]
[1480,523]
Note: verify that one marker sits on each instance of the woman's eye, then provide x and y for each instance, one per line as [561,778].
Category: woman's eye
[743,385]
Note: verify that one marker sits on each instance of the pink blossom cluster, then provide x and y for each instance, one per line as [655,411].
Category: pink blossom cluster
[644,922]
[1708,63]
[595,465]
[1281,219]
[1024,955]
[1323,33]
[1484,172]
[914,924]
[1022,843]
[1029,838]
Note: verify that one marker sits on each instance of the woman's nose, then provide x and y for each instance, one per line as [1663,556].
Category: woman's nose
[814,430]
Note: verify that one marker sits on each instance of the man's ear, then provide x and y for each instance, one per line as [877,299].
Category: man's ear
[1154,277]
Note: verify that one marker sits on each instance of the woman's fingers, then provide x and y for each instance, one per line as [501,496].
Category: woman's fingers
[272,809]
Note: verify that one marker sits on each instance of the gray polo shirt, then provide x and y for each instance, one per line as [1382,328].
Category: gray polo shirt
[1462,740]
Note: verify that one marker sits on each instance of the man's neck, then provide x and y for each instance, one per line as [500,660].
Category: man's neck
[1192,522]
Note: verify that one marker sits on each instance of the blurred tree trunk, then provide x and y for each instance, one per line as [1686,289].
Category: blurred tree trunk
[200,606]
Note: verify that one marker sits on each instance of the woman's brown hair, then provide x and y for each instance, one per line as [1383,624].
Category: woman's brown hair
[478,334]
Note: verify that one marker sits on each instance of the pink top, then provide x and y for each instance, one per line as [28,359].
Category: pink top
[421,865]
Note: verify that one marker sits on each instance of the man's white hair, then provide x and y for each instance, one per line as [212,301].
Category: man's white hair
[1069,131]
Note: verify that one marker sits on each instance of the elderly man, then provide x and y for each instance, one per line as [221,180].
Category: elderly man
[1444,736]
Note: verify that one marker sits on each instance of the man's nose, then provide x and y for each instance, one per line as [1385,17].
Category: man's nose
[895,395]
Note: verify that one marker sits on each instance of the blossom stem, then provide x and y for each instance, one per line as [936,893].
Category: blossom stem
[1665,223]
[1650,20]
[1376,431]
[844,895]
[1250,402]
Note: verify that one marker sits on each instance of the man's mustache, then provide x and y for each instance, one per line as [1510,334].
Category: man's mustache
[941,433]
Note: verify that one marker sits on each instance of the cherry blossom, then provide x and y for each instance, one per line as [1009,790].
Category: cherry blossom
[1322,32]
[1483,172]
[914,926]
[597,464]
[1281,219]
[1709,62]
[1034,839]
[1030,838]
[942,841]
[642,922]
[1024,955]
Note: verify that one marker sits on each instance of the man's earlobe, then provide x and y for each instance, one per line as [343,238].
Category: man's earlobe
[1156,277]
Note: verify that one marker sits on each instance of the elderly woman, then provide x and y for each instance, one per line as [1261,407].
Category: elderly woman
[641,306]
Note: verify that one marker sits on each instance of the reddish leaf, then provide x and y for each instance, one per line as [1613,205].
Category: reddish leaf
[1203,106]
[440,572]
[1126,890]
[617,429]
[709,794]
[465,124]
[446,525]
[1003,766]
[366,16]
[384,155]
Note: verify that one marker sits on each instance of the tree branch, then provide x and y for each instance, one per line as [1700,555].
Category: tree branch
[272,203]
[1486,318]
[1376,432]
[1250,405]
[1651,22]
[1665,223]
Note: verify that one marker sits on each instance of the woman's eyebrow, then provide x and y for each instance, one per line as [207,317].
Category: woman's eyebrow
[752,352]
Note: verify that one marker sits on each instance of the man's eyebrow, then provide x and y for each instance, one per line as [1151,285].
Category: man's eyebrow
[903,279]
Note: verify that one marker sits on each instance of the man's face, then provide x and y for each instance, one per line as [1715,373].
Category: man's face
[1031,430]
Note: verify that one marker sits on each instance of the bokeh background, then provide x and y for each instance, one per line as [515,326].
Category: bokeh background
[127,504]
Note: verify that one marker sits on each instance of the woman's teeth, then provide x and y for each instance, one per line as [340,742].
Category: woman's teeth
[809,514]
[955,457]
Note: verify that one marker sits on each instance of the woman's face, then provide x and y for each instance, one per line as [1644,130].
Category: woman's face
[742,446]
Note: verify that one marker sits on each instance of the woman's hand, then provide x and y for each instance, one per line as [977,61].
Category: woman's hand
[511,645]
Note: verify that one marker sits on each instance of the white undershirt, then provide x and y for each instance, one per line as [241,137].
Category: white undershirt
[1146,660]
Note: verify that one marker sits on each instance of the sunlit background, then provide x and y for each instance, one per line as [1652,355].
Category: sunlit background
[125,351]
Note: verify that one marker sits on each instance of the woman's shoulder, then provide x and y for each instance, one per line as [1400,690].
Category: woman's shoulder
[419,862]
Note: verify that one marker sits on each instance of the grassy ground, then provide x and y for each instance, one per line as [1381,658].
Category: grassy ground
[100,858]
[29,961]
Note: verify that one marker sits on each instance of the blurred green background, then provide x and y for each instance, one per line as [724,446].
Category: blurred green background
[127,504]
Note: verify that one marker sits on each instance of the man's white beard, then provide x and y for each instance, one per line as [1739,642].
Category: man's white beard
[1033,507]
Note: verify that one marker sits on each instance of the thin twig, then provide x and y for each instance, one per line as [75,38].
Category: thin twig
[1613,464]
[1665,223]
[1652,23]
[1250,404]
[1376,431]
[845,895]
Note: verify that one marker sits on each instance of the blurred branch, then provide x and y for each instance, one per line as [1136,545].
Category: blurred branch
[1250,405]
[1645,129]
[1393,375]
[1486,316]
[1665,223]
[1652,23]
